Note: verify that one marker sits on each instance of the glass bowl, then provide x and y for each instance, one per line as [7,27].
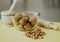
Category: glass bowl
[30,14]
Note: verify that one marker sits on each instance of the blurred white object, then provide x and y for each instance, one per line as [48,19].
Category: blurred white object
[13,5]
[45,23]
[48,24]
[6,17]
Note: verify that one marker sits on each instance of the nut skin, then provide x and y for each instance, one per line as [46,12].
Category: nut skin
[23,21]
[35,34]
[37,30]
[42,33]
[33,20]
[27,26]
[20,27]
[17,16]
[28,34]
[26,18]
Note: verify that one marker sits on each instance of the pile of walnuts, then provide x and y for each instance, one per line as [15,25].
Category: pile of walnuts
[35,34]
[24,22]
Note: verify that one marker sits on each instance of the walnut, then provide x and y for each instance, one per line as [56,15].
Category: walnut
[17,16]
[20,27]
[35,34]
[32,21]
[26,18]
[23,21]
[27,26]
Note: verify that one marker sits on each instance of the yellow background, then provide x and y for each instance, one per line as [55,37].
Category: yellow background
[10,34]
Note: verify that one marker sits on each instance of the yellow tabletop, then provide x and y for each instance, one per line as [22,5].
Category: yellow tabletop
[10,34]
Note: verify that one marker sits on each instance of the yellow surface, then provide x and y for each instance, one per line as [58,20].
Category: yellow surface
[10,34]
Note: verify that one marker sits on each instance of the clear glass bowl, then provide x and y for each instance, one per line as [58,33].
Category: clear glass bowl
[30,14]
